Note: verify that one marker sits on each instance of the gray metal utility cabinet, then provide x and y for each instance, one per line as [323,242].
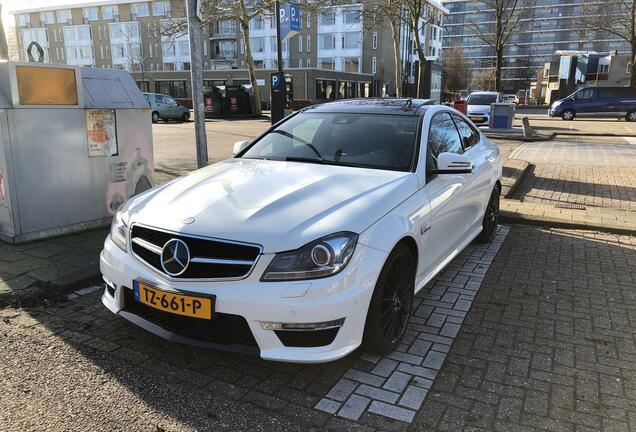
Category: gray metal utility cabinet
[75,143]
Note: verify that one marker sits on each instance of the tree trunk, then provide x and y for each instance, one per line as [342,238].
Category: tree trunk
[420,56]
[395,35]
[632,76]
[245,30]
[498,67]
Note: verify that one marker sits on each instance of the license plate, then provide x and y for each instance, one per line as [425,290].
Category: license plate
[477,119]
[179,304]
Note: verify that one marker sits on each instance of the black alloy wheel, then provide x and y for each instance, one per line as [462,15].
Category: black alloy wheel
[491,218]
[392,302]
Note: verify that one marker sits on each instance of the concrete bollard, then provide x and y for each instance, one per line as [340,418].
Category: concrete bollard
[527,130]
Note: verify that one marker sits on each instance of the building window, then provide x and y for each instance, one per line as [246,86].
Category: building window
[351,40]
[38,35]
[47,17]
[325,89]
[308,63]
[139,10]
[374,65]
[64,16]
[374,40]
[327,41]
[90,14]
[327,18]
[176,89]
[300,44]
[308,44]
[161,8]
[308,19]
[23,20]
[242,44]
[300,63]
[351,16]
[110,12]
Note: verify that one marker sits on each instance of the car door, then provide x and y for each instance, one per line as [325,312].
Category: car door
[587,102]
[478,183]
[172,107]
[446,193]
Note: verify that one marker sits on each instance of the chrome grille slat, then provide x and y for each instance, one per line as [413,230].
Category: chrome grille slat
[211,259]
[147,245]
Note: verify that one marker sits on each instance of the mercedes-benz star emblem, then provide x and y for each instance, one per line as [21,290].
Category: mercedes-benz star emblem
[175,257]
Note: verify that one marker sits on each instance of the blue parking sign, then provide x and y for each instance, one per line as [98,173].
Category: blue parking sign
[289,21]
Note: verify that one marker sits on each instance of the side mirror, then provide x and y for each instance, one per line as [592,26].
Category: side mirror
[453,163]
[239,146]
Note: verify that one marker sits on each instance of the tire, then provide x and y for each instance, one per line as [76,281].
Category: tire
[185,117]
[631,116]
[155,116]
[392,302]
[568,114]
[491,217]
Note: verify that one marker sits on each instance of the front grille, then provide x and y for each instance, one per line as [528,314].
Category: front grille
[222,329]
[210,258]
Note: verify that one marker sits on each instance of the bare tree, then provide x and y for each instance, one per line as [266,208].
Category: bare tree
[483,79]
[419,13]
[507,17]
[456,69]
[618,18]
[378,13]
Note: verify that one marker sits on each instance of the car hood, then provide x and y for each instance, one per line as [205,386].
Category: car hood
[478,109]
[279,205]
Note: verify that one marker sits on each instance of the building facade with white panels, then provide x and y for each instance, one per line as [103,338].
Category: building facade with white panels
[551,25]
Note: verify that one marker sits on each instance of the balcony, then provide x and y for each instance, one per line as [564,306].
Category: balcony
[223,55]
[224,34]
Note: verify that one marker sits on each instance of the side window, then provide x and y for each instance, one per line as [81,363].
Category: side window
[585,94]
[468,135]
[159,99]
[443,136]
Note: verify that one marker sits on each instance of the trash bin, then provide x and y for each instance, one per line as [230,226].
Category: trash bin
[460,105]
[75,143]
[501,115]
[229,101]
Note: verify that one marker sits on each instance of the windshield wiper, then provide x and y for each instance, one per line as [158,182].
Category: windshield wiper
[305,159]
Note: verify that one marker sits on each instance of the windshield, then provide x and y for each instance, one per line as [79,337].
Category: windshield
[362,140]
[481,99]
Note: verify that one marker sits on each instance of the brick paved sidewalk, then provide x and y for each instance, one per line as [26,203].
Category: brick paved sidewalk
[549,343]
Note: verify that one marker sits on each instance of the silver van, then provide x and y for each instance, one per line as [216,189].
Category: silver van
[164,108]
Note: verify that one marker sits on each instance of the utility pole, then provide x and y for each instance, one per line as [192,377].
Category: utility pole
[196,74]
[279,43]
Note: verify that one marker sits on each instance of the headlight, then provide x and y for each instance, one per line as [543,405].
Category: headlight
[323,257]
[119,232]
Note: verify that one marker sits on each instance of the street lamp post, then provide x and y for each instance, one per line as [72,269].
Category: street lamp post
[196,74]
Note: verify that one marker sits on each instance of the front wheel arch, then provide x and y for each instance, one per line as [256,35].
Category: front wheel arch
[375,326]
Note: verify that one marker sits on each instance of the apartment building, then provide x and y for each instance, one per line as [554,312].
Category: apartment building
[149,38]
[550,26]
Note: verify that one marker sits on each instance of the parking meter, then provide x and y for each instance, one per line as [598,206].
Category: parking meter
[277,96]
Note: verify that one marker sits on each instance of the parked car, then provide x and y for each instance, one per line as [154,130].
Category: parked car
[164,108]
[511,98]
[478,105]
[597,101]
[313,238]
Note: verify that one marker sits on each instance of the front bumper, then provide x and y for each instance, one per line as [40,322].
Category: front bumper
[345,295]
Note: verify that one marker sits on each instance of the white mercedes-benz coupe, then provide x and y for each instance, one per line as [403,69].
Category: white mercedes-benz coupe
[313,238]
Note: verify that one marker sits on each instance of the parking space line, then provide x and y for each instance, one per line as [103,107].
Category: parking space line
[629,129]
[397,384]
